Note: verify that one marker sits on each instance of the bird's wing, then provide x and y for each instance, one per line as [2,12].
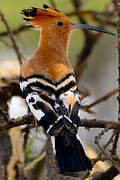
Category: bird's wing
[37,91]
[54,104]
[68,109]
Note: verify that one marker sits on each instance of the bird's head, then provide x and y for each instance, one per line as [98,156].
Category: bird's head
[47,18]
[52,19]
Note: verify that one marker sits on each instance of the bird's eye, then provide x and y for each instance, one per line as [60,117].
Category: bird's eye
[60,23]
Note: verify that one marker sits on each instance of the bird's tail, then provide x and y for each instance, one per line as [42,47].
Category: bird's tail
[70,154]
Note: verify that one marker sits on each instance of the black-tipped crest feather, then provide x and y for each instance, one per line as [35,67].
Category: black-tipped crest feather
[29,12]
[26,19]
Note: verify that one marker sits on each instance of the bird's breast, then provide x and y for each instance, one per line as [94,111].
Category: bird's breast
[55,71]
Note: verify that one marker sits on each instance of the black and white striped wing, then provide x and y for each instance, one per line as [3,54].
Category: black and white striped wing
[54,104]
[38,93]
[68,111]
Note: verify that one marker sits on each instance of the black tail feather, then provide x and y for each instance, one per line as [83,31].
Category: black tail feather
[70,154]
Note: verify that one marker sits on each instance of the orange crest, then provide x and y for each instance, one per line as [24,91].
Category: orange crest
[48,16]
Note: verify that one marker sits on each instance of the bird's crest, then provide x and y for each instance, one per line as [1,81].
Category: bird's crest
[42,18]
[47,11]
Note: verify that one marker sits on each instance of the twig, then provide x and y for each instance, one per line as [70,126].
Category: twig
[77,4]
[97,138]
[115,142]
[92,12]
[16,31]
[8,45]
[98,101]
[16,163]
[26,135]
[110,140]
[11,37]
[94,16]
[99,158]
[90,40]
[50,160]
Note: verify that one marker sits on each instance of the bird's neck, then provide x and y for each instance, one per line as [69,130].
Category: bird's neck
[53,47]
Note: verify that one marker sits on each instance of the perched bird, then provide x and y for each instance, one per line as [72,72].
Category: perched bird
[48,84]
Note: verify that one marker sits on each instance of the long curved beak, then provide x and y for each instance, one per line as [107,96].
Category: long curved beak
[85,26]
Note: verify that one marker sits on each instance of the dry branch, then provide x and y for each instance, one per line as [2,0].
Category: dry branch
[97,138]
[109,174]
[16,31]
[87,123]
[11,37]
[94,15]
[90,38]
[105,14]
[28,119]
[87,108]
[16,163]
[115,142]
[4,42]
[50,160]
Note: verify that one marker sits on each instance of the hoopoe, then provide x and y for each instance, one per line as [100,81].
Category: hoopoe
[48,84]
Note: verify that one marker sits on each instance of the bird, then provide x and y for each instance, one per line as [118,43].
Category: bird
[48,84]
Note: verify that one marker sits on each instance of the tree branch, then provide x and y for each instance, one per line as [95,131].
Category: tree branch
[109,174]
[28,119]
[16,31]
[87,123]
[11,37]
